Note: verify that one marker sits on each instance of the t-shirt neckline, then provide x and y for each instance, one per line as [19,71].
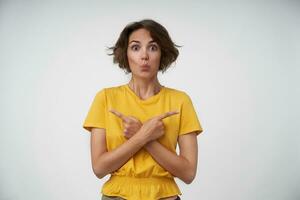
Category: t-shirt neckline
[151,99]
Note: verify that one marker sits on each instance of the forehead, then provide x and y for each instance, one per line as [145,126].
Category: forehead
[140,35]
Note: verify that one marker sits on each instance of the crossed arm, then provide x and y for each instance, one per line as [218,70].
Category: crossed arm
[183,166]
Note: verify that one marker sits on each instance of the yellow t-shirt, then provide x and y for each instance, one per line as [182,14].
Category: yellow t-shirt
[141,177]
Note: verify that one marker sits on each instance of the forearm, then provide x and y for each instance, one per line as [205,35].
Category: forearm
[113,160]
[177,165]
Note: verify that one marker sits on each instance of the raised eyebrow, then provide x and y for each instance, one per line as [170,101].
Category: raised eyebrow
[134,41]
[152,41]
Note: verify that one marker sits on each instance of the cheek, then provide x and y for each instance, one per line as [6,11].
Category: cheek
[156,58]
[132,58]
[132,61]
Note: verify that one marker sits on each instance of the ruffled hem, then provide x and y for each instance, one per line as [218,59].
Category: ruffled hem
[135,188]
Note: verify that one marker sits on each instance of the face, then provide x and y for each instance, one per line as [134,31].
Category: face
[143,54]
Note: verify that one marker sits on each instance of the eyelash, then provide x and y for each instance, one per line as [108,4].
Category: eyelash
[133,46]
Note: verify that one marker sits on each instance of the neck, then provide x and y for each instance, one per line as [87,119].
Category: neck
[145,88]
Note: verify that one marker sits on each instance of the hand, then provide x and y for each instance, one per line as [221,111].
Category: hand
[154,127]
[131,124]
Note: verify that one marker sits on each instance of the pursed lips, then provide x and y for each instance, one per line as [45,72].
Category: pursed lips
[145,66]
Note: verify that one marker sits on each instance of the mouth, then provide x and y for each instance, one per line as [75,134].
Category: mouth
[145,67]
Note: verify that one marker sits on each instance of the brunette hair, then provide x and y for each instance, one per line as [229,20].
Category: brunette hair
[169,52]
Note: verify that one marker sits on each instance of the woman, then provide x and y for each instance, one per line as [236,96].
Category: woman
[135,127]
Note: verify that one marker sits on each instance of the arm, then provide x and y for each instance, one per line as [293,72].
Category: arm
[104,162]
[184,165]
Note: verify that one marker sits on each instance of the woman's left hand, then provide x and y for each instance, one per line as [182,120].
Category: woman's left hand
[131,124]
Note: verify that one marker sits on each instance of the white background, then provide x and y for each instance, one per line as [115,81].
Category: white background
[239,63]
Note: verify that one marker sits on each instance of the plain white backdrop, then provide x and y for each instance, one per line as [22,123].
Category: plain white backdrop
[239,63]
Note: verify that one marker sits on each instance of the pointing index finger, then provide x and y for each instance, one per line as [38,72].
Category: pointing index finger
[168,114]
[118,114]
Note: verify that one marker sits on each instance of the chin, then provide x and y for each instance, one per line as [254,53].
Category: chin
[145,75]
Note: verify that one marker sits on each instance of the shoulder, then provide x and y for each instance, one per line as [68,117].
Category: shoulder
[177,93]
[110,90]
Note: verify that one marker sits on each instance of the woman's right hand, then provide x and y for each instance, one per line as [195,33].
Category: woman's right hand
[154,128]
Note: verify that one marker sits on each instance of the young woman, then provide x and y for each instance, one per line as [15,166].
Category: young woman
[135,127]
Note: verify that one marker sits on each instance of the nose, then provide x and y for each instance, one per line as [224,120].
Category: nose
[144,55]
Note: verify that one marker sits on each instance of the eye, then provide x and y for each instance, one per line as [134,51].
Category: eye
[154,47]
[134,47]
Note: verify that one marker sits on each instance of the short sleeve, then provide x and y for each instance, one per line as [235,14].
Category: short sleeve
[96,114]
[189,121]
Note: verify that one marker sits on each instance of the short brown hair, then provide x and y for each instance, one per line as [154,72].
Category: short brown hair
[169,52]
